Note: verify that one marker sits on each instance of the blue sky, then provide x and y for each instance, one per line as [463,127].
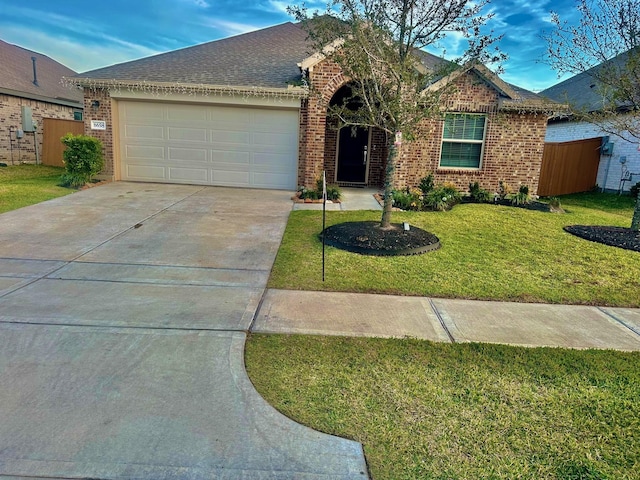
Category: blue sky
[87,35]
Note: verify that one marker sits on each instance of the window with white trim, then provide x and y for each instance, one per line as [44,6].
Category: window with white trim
[463,140]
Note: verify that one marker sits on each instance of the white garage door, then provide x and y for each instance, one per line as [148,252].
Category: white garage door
[208,145]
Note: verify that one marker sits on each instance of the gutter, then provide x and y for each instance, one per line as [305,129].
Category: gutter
[165,88]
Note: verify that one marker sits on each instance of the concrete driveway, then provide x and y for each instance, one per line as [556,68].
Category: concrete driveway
[123,317]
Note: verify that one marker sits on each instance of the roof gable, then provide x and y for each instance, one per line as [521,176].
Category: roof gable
[16,76]
[511,96]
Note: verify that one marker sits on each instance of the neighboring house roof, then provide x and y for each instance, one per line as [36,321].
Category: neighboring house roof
[17,77]
[582,91]
[265,58]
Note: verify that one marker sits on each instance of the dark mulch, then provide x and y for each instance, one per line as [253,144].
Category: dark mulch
[613,236]
[369,239]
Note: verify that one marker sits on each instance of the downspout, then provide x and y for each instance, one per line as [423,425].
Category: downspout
[606,174]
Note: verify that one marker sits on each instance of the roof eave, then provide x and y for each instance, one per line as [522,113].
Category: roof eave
[41,98]
[311,61]
[550,108]
[161,88]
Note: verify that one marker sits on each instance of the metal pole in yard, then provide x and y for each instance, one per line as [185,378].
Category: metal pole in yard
[324,215]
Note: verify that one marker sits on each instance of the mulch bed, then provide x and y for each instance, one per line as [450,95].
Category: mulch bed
[369,239]
[612,236]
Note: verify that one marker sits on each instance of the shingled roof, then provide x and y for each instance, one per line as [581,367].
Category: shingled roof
[265,58]
[582,90]
[16,77]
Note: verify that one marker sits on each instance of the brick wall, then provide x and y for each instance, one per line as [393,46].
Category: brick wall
[103,112]
[512,152]
[326,78]
[610,169]
[11,120]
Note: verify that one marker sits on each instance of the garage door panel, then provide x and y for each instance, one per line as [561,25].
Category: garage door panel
[187,134]
[264,180]
[279,140]
[187,113]
[146,172]
[268,161]
[144,132]
[196,175]
[143,111]
[213,145]
[197,155]
[229,157]
[230,178]
[145,152]
[230,137]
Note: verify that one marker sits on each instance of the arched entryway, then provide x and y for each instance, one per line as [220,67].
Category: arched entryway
[353,156]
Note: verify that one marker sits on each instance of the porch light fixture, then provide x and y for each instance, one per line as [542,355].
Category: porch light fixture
[95,104]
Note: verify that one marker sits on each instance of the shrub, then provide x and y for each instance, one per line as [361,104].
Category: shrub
[504,189]
[442,197]
[554,202]
[635,190]
[307,193]
[522,197]
[333,192]
[82,159]
[426,184]
[478,194]
[406,199]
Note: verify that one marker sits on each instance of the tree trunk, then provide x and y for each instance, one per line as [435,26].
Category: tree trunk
[385,222]
[635,223]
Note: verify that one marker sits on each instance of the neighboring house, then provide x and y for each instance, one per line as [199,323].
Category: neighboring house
[30,91]
[619,166]
[238,112]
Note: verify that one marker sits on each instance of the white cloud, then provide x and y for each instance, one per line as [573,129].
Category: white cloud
[77,55]
[230,28]
[279,6]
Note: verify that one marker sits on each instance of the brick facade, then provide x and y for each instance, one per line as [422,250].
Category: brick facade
[103,112]
[512,153]
[14,150]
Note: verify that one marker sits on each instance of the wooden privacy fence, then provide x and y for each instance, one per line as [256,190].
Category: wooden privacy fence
[569,167]
[53,129]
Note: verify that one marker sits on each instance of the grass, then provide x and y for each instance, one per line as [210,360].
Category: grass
[439,411]
[23,185]
[488,252]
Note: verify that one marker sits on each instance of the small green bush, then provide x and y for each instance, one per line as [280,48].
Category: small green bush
[442,197]
[635,190]
[406,199]
[479,195]
[522,197]
[426,184]
[82,159]
[333,192]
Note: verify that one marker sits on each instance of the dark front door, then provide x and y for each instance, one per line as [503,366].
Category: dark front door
[353,156]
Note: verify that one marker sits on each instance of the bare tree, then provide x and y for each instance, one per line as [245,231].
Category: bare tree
[379,45]
[604,44]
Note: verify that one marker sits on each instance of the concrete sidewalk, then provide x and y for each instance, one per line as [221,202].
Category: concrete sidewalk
[444,320]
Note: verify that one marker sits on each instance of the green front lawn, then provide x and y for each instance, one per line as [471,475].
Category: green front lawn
[488,252]
[466,411]
[22,185]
